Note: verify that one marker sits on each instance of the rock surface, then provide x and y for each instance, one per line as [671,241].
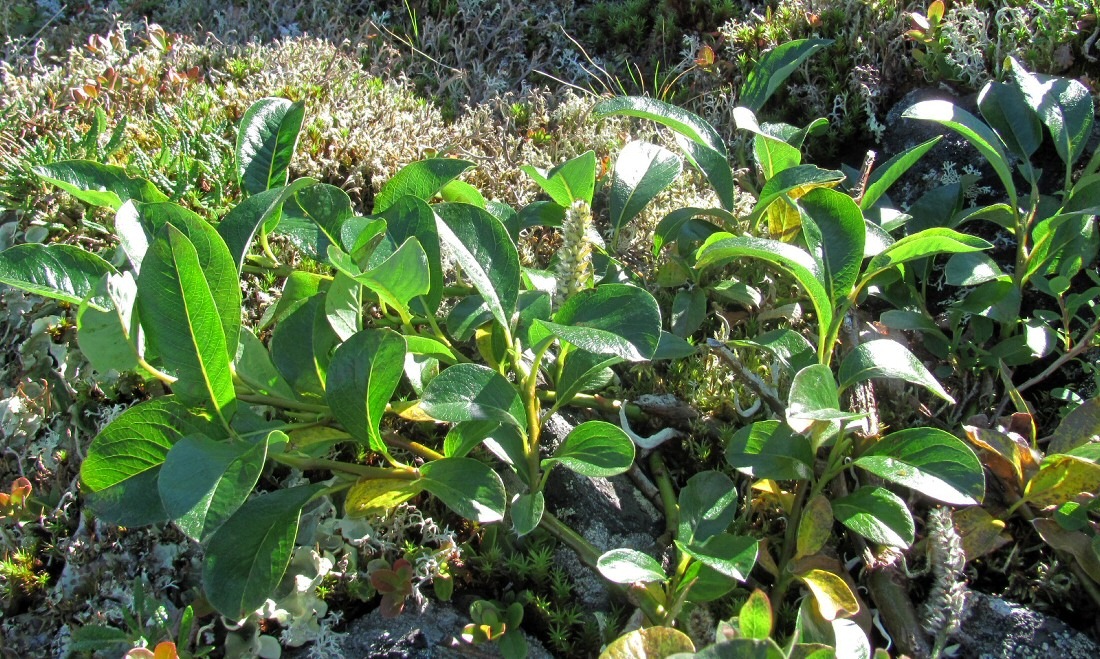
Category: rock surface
[996,629]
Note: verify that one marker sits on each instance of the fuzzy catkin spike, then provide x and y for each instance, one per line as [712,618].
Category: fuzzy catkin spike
[575,255]
[947,600]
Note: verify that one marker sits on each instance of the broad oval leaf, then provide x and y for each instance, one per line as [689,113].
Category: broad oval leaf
[930,461]
[922,244]
[246,558]
[203,481]
[572,180]
[239,226]
[885,358]
[877,514]
[641,171]
[1065,107]
[815,528]
[411,217]
[215,260]
[627,566]
[483,249]
[362,376]
[721,248]
[125,459]
[831,593]
[111,339]
[700,142]
[683,226]
[58,271]
[980,136]
[98,184]
[773,68]
[708,502]
[768,449]
[755,619]
[526,511]
[842,235]
[649,643]
[466,486]
[253,366]
[793,182]
[182,323]
[265,143]
[1081,426]
[378,496]
[420,179]
[1005,108]
[595,449]
[293,342]
[890,171]
[611,320]
[813,398]
[1062,478]
[732,555]
[472,392]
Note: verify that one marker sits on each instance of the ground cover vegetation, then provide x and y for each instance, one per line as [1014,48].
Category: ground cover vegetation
[295,300]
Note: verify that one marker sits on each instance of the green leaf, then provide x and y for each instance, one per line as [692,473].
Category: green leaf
[411,217]
[774,155]
[463,193]
[182,323]
[930,461]
[124,460]
[971,269]
[572,180]
[583,371]
[887,359]
[773,68]
[323,205]
[755,619]
[627,566]
[1005,108]
[877,514]
[378,496]
[466,486]
[642,170]
[471,392]
[247,556]
[527,510]
[254,367]
[109,339]
[214,258]
[842,235]
[362,376]
[814,397]
[768,449]
[404,275]
[650,643]
[264,209]
[57,271]
[483,249]
[792,182]
[610,320]
[265,143]
[732,555]
[99,185]
[344,306]
[890,171]
[689,310]
[980,136]
[203,481]
[594,449]
[420,179]
[682,225]
[707,505]
[1081,426]
[293,346]
[1065,107]
[721,248]
[922,244]
[703,145]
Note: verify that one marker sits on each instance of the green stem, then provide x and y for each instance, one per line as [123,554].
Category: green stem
[596,402]
[668,494]
[413,447]
[266,247]
[284,403]
[586,551]
[361,471]
[155,372]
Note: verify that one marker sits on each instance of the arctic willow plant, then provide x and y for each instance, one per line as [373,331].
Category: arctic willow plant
[837,246]
[345,347]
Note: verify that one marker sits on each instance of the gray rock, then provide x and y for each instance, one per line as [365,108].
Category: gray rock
[430,634]
[610,513]
[996,629]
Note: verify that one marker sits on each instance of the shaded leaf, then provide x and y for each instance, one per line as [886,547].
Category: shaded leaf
[466,486]
[877,514]
[362,377]
[885,358]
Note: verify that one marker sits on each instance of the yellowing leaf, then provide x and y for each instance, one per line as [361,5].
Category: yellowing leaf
[1074,542]
[770,492]
[784,221]
[831,594]
[649,643]
[378,495]
[1060,479]
[410,410]
[816,526]
[981,533]
[1010,458]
